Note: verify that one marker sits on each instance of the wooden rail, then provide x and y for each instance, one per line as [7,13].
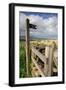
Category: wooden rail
[41,56]
[37,66]
[48,63]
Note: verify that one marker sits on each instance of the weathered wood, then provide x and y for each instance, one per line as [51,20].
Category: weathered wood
[50,61]
[37,66]
[42,57]
[27,46]
[47,56]
[47,51]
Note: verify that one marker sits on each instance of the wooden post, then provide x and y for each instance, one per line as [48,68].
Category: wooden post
[27,47]
[50,61]
[45,64]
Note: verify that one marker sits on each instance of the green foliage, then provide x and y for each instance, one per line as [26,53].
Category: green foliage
[22,62]
[22,57]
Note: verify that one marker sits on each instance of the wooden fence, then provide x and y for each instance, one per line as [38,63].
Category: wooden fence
[39,59]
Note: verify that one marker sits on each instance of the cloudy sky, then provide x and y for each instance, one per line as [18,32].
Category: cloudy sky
[47,24]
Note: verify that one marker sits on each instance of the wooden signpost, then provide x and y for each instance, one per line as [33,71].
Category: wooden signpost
[28,26]
[27,46]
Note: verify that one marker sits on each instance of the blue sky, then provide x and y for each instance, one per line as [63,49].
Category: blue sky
[47,24]
[43,15]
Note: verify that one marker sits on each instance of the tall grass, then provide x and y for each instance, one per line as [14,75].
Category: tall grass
[22,58]
[22,61]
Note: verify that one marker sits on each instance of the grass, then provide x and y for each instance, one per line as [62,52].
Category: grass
[22,56]
[22,62]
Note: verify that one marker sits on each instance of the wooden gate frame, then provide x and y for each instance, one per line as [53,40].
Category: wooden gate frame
[47,69]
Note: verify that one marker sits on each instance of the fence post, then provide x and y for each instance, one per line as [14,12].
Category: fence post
[50,61]
[46,63]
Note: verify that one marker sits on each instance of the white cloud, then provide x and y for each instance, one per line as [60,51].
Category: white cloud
[47,27]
